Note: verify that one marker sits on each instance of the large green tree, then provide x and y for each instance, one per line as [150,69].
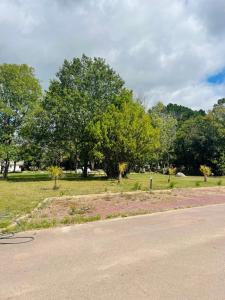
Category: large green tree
[124,133]
[19,93]
[82,90]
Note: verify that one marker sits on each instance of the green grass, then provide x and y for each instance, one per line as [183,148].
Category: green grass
[48,223]
[22,192]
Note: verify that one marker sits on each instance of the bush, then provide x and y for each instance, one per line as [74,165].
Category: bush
[206,171]
[122,168]
[171,171]
[55,172]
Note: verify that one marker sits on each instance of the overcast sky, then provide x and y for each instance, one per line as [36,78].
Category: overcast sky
[167,50]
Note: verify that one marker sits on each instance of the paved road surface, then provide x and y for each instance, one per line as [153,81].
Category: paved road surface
[171,255]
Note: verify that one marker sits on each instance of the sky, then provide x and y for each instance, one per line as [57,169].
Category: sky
[165,50]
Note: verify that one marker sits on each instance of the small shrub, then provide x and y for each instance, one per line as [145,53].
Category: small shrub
[109,216]
[79,210]
[197,183]
[73,211]
[137,186]
[219,182]
[206,171]
[4,223]
[125,215]
[171,171]
[112,216]
[172,185]
[122,167]
[55,172]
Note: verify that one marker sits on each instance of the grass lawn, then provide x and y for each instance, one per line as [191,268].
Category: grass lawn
[22,192]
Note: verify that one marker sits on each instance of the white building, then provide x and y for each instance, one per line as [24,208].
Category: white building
[13,167]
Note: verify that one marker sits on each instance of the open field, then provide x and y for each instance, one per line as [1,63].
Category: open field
[22,192]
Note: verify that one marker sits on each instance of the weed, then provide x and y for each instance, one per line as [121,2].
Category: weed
[79,219]
[137,186]
[47,223]
[219,182]
[35,224]
[172,185]
[4,223]
[112,216]
[109,216]
[197,183]
[79,210]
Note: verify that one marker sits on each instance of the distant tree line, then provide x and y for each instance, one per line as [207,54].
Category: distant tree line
[88,118]
[190,138]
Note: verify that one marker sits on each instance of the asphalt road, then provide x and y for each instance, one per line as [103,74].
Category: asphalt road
[171,255]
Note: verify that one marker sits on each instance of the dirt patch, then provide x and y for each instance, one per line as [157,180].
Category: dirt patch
[120,204]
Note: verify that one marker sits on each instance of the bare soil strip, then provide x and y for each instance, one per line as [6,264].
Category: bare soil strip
[109,205]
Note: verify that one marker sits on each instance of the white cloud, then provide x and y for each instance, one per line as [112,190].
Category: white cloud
[164,49]
[197,96]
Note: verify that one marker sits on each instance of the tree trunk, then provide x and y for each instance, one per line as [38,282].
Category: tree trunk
[85,173]
[205,178]
[55,183]
[76,165]
[76,160]
[111,169]
[6,169]
[14,167]
[119,177]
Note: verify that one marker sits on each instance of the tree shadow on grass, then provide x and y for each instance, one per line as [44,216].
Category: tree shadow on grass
[74,177]
[28,178]
[46,177]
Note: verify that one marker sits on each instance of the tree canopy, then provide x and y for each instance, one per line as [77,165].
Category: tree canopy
[182,113]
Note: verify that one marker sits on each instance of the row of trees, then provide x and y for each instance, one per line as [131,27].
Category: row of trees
[88,117]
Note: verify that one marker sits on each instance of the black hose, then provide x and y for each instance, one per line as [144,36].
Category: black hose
[11,239]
